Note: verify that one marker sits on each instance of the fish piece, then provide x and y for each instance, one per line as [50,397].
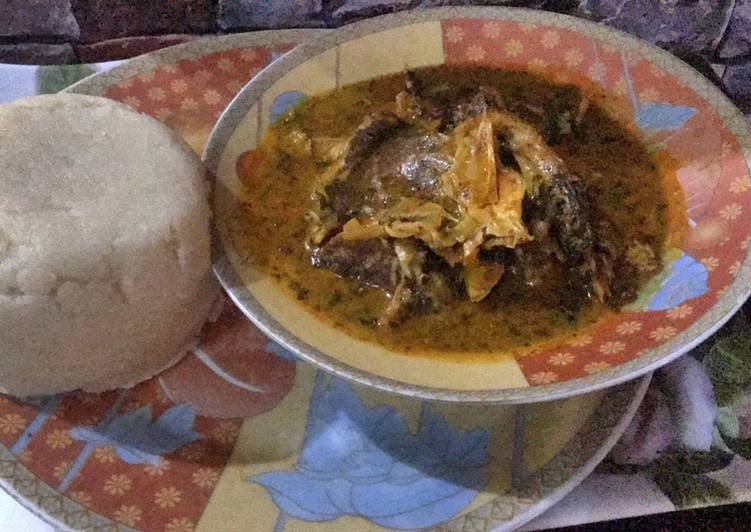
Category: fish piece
[369,262]
[409,164]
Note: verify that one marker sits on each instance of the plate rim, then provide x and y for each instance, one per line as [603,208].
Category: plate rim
[629,396]
[699,330]
[96,83]
[574,446]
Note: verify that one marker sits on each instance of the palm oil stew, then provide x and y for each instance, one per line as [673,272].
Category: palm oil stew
[455,209]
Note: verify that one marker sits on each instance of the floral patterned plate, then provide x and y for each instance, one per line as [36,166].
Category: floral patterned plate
[690,127]
[241,436]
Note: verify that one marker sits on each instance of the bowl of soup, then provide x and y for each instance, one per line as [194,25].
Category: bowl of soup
[483,204]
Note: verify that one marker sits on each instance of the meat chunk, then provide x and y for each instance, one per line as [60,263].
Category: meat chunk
[373,130]
[371,263]
[567,213]
[416,105]
[484,100]
[390,266]
[563,113]
[409,164]
[562,217]
[343,155]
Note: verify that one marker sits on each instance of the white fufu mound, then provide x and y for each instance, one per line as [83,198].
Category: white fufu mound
[104,245]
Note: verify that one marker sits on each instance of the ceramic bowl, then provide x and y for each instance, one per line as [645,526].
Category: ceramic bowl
[682,117]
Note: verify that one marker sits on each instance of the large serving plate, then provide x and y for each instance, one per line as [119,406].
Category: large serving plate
[691,128]
[241,436]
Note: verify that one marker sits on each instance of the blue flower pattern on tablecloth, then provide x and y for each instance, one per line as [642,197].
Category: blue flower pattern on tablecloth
[283,103]
[364,462]
[138,440]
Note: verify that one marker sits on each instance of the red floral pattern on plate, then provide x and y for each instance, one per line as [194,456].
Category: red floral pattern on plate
[150,496]
[190,95]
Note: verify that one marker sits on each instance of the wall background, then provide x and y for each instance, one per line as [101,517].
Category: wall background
[712,35]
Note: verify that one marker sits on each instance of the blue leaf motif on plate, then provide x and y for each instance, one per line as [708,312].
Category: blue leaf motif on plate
[138,440]
[365,462]
[283,103]
[663,116]
[687,279]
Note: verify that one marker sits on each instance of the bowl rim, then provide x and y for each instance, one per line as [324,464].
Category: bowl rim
[699,330]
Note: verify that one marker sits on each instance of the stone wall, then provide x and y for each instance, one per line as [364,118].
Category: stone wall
[713,35]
